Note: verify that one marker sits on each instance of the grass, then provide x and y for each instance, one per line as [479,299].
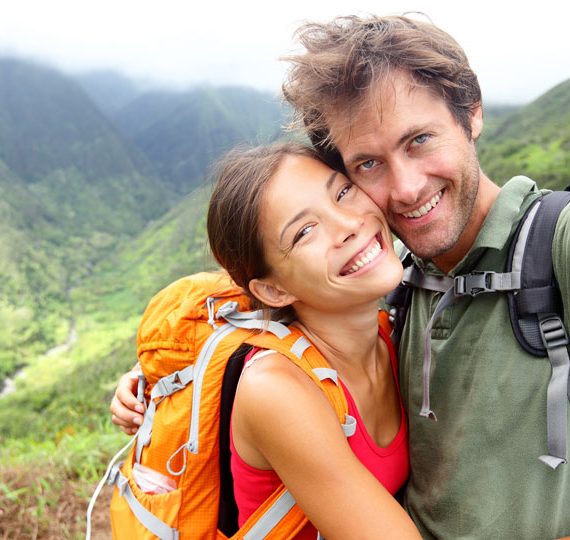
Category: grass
[44,487]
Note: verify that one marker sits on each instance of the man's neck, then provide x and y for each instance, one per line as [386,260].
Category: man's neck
[486,197]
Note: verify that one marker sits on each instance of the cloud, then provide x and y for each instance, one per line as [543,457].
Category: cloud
[518,50]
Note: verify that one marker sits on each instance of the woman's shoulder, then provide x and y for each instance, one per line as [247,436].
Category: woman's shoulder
[273,389]
[270,376]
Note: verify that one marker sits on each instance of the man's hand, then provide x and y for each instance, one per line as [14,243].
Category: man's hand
[126,410]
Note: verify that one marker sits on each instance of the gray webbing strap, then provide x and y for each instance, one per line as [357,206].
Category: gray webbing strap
[556,342]
[101,485]
[444,302]
[415,277]
[145,517]
[471,284]
[326,373]
[251,320]
[349,426]
[273,515]
[300,346]
[166,386]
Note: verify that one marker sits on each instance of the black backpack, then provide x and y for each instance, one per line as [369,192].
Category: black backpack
[535,308]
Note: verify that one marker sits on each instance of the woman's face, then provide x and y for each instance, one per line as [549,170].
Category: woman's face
[325,241]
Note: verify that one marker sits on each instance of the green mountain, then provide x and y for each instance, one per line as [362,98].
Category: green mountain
[70,188]
[57,141]
[533,140]
[182,133]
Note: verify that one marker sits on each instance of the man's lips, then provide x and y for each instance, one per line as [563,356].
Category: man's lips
[363,257]
[425,208]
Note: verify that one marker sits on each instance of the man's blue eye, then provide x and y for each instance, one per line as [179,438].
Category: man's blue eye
[421,139]
[368,164]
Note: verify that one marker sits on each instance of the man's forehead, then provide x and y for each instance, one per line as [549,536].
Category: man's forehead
[379,100]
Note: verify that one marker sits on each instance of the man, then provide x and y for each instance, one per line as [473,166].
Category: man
[395,100]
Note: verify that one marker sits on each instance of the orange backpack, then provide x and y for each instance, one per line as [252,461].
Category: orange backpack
[192,340]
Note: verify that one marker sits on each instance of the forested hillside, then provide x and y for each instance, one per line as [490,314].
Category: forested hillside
[181,134]
[103,189]
[102,197]
[71,189]
[532,140]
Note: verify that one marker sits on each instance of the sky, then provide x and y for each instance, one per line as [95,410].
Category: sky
[518,49]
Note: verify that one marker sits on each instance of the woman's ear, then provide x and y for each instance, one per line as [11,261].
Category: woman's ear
[270,294]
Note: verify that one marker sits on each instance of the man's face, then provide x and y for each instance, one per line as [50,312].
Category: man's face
[405,149]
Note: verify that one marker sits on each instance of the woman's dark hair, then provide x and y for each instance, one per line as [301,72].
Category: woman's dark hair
[234,234]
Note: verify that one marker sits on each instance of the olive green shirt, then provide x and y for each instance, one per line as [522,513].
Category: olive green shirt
[475,471]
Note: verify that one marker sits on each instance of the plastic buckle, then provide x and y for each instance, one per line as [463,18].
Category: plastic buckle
[553,332]
[170,384]
[473,284]
[114,474]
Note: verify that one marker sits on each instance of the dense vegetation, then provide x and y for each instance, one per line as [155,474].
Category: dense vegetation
[93,222]
[532,140]
[103,187]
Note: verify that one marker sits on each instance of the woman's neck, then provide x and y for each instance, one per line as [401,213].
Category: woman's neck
[347,339]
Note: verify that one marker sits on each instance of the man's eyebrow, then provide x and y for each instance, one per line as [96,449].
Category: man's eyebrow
[305,211]
[410,132]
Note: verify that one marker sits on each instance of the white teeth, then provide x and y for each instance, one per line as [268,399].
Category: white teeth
[367,258]
[423,210]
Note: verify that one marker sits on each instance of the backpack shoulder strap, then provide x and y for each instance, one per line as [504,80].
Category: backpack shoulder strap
[536,312]
[399,301]
[531,254]
[299,350]
[279,517]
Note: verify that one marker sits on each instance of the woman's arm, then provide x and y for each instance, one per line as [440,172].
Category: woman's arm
[282,420]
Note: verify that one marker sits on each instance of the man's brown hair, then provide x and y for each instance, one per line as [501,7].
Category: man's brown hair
[347,57]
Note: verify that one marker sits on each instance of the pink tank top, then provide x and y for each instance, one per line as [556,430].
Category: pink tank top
[390,465]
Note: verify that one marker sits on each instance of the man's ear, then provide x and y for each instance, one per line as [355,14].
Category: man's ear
[270,294]
[476,121]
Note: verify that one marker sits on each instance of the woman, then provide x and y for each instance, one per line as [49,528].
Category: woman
[301,237]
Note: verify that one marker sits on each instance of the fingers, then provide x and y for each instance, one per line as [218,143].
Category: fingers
[124,427]
[126,410]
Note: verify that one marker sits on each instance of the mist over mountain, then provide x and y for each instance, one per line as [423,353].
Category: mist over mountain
[182,133]
[109,90]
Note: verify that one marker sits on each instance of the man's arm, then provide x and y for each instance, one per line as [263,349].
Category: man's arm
[126,410]
[561,259]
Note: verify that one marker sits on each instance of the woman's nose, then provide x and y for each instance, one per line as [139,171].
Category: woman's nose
[347,226]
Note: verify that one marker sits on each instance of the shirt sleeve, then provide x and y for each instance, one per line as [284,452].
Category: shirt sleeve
[561,259]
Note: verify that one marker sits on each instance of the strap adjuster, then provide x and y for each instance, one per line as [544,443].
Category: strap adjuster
[473,284]
[553,332]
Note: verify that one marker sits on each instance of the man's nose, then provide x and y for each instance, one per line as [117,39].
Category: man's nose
[406,182]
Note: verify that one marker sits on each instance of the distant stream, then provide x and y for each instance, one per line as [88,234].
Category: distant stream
[9,385]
